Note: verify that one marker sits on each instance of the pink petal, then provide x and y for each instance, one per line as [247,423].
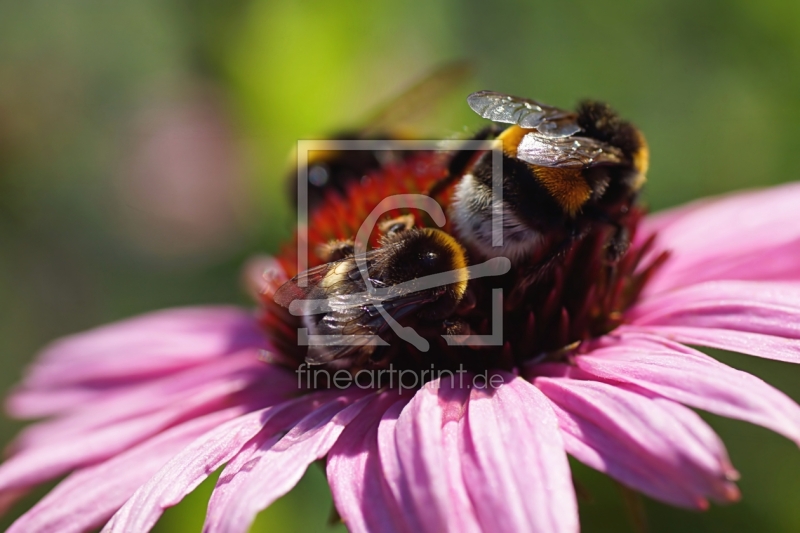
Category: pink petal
[453,407]
[766,346]
[137,396]
[186,470]
[360,492]
[237,370]
[757,318]
[652,445]
[729,238]
[87,498]
[431,486]
[269,466]
[690,377]
[392,469]
[35,465]
[705,298]
[39,403]
[145,346]
[655,222]
[514,463]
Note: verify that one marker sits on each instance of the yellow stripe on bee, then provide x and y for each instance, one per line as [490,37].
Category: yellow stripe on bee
[511,137]
[458,258]
[641,162]
[567,186]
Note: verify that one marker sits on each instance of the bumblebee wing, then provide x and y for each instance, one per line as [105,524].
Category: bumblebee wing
[530,114]
[336,281]
[419,101]
[354,324]
[567,152]
[304,286]
[326,282]
[331,282]
[349,325]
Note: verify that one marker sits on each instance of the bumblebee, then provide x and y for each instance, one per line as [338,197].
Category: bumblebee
[563,173]
[341,303]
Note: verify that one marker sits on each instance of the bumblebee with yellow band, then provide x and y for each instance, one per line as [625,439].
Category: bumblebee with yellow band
[563,172]
[405,253]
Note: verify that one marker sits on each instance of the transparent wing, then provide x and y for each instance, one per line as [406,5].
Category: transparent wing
[319,282]
[354,324]
[420,101]
[549,121]
[338,280]
[346,315]
[567,152]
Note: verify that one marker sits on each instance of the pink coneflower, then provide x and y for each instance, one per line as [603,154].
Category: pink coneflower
[141,412]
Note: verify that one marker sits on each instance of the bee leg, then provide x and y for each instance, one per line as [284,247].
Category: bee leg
[559,251]
[461,159]
[618,243]
[456,326]
[620,239]
[440,307]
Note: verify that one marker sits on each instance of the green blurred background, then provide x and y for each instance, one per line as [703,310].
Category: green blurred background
[143,146]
